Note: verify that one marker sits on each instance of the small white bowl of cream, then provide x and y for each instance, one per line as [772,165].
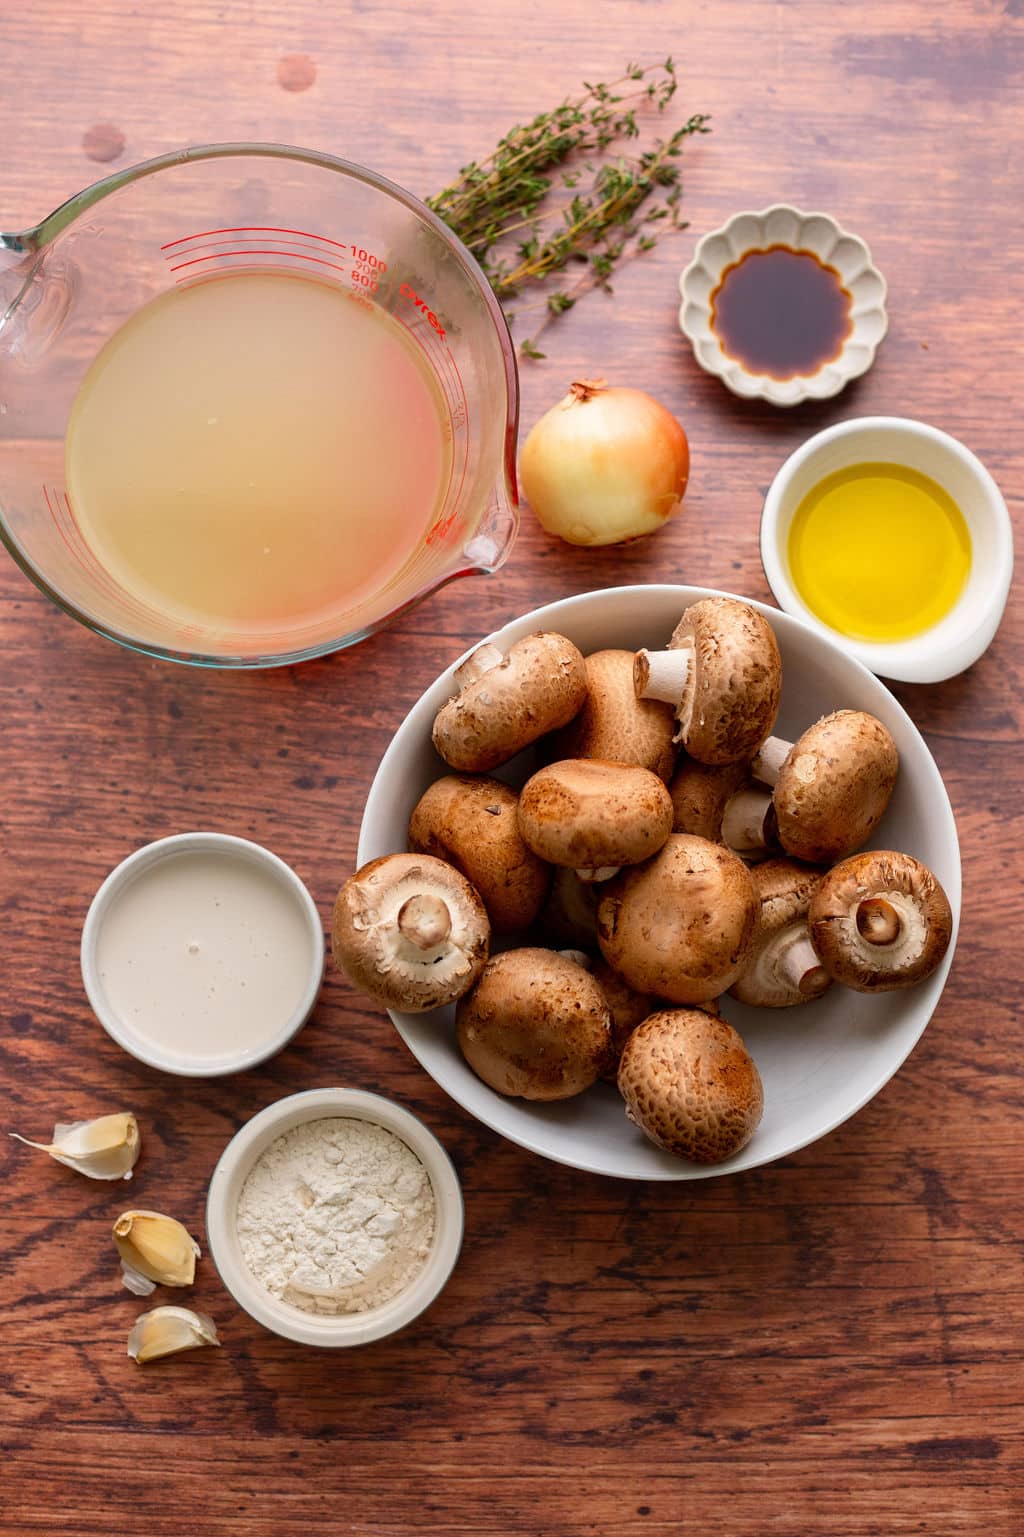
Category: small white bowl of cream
[890,537]
[202,954]
[334,1217]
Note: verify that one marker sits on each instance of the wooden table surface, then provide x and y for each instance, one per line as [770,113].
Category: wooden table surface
[828,1345]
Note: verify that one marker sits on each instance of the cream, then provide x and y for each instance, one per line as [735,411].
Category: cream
[202,958]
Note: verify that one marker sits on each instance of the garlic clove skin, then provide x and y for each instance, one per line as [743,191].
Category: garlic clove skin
[138,1284]
[154,1248]
[168,1330]
[104,1148]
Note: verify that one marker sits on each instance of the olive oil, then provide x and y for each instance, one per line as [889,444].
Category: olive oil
[879,552]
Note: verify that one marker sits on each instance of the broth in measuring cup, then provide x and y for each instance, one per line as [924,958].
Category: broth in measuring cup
[257,452]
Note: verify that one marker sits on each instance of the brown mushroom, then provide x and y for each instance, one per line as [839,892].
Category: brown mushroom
[690,1084]
[700,793]
[593,816]
[471,823]
[879,921]
[506,702]
[614,724]
[722,674]
[536,1026]
[784,969]
[627,1007]
[569,916]
[749,827]
[410,931]
[682,925]
[831,786]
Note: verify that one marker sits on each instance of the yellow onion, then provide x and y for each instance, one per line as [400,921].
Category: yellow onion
[604,465]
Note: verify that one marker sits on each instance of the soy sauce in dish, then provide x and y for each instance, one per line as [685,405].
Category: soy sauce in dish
[781,312]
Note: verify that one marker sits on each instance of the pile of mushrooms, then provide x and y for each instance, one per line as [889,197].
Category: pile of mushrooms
[666,850]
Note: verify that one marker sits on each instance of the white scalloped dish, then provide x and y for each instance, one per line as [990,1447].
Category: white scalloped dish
[817,234]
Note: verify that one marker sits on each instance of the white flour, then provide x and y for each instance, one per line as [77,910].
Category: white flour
[336,1216]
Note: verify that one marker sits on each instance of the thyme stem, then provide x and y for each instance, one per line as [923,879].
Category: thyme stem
[609,219]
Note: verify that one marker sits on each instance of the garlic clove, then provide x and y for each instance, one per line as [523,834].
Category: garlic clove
[104,1148]
[165,1331]
[155,1247]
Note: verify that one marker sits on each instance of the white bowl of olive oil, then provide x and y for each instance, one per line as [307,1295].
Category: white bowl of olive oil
[891,538]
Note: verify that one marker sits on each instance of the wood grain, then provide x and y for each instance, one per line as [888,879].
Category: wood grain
[828,1345]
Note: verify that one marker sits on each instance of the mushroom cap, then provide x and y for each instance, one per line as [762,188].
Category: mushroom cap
[699,794]
[471,823]
[536,1026]
[614,724]
[784,888]
[585,813]
[834,785]
[919,905]
[732,697]
[537,686]
[682,925]
[690,1084]
[627,1007]
[370,947]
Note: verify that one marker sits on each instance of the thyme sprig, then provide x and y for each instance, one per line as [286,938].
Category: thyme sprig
[616,204]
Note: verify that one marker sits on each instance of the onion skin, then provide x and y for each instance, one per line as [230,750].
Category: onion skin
[604,465]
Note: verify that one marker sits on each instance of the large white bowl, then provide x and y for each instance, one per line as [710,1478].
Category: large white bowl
[820,1062]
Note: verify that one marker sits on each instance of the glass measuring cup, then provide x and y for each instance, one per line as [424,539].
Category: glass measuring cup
[69,284]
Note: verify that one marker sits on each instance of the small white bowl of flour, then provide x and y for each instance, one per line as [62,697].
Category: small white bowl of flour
[334,1217]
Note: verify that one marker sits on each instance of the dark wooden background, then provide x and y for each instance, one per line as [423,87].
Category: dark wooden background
[829,1345]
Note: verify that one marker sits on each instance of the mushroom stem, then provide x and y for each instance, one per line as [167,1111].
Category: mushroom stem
[801,966]
[591,874]
[746,821]
[662,674]
[878,922]
[769,758]
[580,957]
[425,921]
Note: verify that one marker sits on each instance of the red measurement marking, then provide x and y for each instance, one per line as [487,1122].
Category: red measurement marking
[432,534]
[418,332]
[465,411]
[212,245]
[203,279]
[68,545]
[425,332]
[259,251]
[56,521]
[88,560]
[84,557]
[408,292]
[260,229]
